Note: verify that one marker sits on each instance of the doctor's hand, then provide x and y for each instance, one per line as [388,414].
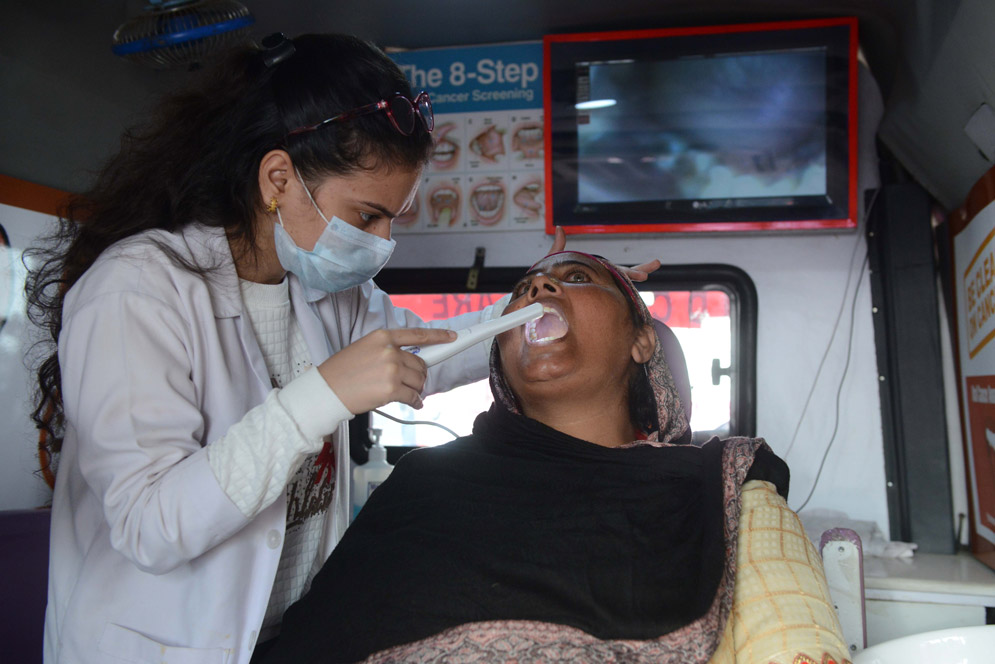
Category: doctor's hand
[635,273]
[374,371]
[640,272]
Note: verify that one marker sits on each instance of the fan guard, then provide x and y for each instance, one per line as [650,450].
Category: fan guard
[182,34]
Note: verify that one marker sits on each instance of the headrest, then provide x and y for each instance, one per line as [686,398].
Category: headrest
[678,367]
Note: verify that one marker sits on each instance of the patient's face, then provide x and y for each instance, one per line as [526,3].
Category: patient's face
[583,341]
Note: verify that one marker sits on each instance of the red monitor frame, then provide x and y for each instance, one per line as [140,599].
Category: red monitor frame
[558,212]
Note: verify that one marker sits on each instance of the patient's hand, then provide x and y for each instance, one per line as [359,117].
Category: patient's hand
[636,273]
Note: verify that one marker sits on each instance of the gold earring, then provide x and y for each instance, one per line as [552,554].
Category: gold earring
[273,205]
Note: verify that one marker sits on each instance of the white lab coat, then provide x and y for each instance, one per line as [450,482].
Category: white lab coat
[150,559]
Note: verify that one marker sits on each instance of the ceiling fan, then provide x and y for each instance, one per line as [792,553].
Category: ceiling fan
[182,34]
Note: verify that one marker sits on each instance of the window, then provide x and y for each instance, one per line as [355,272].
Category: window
[710,308]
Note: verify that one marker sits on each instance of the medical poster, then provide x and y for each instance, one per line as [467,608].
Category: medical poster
[22,485]
[974,275]
[486,172]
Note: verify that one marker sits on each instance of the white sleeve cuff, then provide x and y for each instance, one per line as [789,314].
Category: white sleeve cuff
[496,311]
[313,405]
[258,455]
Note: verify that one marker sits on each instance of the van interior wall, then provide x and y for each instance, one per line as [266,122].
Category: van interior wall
[800,281]
[800,284]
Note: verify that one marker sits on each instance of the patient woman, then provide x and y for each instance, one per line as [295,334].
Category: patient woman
[573,525]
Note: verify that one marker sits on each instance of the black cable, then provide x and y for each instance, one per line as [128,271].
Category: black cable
[832,337]
[839,390]
[400,421]
[825,354]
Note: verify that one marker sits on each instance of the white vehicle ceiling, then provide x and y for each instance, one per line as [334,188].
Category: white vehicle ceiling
[66,98]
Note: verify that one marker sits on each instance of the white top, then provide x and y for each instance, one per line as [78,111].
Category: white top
[286,356]
[153,556]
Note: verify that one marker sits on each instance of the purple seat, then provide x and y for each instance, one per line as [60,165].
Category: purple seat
[24,579]
[678,368]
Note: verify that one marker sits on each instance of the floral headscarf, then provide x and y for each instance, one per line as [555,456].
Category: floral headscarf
[656,386]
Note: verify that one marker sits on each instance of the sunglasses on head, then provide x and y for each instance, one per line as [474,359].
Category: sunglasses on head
[400,110]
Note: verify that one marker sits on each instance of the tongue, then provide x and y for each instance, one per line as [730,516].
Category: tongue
[550,326]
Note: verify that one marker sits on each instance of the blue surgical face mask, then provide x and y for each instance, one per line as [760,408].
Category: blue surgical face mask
[344,256]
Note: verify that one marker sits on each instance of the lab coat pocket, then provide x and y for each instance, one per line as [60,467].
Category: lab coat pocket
[131,646]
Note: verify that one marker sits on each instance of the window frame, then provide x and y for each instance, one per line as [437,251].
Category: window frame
[732,280]
[736,283]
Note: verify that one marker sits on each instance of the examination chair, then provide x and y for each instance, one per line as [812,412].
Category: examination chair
[843,559]
[24,580]
[783,608]
[674,355]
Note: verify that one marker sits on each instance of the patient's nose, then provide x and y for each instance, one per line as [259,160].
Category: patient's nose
[543,283]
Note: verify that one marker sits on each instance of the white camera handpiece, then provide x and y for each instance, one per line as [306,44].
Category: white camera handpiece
[475,334]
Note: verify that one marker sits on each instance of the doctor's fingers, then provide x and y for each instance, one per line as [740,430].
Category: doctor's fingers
[400,381]
[371,373]
[641,272]
[559,241]
[417,336]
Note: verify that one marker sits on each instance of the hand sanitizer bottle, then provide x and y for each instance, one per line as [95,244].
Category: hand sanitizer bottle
[371,474]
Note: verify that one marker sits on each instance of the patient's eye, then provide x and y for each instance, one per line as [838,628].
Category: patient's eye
[577,277]
[521,287]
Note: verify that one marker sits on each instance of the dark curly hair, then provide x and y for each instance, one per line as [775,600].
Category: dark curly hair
[197,159]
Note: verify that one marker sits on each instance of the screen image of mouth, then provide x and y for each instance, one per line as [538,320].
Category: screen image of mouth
[731,126]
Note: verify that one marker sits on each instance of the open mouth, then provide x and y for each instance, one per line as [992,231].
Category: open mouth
[488,144]
[410,216]
[529,199]
[444,154]
[444,203]
[546,329]
[446,149]
[528,141]
[488,202]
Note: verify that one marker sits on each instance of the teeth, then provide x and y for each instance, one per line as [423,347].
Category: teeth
[444,204]
[530,135]
[532,336]
[444,197]
[487,199]
[444,151]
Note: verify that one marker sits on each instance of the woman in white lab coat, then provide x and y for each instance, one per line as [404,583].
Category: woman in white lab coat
[217,326]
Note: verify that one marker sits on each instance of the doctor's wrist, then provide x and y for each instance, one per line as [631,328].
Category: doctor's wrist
[314,406]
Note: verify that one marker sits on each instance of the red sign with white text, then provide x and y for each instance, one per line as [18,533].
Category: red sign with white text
[674,308]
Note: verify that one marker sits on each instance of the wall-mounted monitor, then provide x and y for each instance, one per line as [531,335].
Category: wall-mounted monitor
[720,128]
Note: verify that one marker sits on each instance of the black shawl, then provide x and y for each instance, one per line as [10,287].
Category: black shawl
[535,536]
